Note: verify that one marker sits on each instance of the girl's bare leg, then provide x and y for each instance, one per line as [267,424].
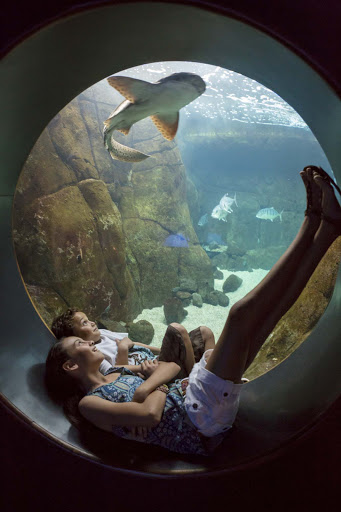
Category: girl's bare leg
[253,318]
[324,237]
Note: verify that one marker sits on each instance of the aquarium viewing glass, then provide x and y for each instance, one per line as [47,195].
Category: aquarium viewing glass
[179,236]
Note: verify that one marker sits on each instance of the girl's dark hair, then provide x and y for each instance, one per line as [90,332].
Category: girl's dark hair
[62,388]
[62,326]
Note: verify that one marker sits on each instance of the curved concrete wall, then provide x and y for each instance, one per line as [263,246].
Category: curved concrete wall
[44,73]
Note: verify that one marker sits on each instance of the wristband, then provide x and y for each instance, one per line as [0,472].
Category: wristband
[164,388]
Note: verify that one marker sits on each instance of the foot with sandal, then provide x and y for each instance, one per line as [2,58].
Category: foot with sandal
[322,203]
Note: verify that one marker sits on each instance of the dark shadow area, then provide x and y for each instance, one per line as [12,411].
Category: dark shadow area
[35,380]
[39,475]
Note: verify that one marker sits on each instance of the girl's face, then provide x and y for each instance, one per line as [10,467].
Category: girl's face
[81,351]
[85,328]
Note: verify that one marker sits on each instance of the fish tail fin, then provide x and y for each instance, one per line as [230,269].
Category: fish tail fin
[106,138]
[235,198]
[280,215]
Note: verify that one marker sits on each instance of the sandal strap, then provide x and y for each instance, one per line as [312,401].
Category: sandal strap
[327,178]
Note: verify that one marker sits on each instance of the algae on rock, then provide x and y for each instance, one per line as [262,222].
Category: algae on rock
[101,252]
[295,326]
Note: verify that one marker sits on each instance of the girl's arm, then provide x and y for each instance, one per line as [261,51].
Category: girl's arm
[155,350]
[105,414]
[163,373]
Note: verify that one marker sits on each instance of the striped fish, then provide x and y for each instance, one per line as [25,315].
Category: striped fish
[269,214]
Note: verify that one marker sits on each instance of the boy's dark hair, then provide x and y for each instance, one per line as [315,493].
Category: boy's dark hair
[62,326]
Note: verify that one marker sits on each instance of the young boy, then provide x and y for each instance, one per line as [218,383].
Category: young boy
[116,347]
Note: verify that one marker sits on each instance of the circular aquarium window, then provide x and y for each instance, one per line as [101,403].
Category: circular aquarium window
[76,237]
[174,212]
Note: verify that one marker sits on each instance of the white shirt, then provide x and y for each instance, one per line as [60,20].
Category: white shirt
[109,349]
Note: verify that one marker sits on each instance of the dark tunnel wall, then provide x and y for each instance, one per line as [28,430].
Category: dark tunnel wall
[309,29]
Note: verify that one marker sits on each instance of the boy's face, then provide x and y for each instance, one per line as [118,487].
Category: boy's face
[84,328]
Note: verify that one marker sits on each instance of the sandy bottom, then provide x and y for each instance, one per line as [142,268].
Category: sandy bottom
[213,317]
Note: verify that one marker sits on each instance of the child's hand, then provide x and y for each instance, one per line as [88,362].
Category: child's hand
[124,343]
[148,367]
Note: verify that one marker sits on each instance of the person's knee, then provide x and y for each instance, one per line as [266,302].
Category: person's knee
[206,332]
[240,312]
[182,330]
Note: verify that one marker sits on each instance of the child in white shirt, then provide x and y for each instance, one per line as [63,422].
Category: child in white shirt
[116,347]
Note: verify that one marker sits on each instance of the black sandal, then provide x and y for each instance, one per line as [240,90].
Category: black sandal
[321,172]
[310,210]
[325,176]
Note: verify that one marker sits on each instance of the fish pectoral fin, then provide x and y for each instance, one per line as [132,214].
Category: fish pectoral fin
[125,131]
[167,124]
[132,89]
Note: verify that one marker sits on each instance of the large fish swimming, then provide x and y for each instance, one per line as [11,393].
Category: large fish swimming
[161,101]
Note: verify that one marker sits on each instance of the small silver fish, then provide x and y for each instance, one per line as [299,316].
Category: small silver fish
[226,202]
[161,100]
[224,207]
[219,213]
[203,220]
[269,214]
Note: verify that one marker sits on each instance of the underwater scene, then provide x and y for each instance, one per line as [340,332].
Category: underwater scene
[141,219]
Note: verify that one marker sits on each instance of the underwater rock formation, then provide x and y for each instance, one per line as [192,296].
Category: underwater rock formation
[218,274]
[216,297]
[91,231]
[185,297]
[50,303]
[112,325]
[188,285]
[174,310]
[141,331]
[59,246]
[264,257]
[232,283]
[298,322]
[197,300]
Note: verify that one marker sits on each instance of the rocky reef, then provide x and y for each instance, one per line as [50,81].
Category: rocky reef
[298,322]
[90,231]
